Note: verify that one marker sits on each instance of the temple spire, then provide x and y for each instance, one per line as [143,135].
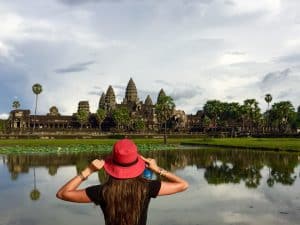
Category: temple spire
[148,100]
[131,93]
[110,98]
[161,94]
[102,101]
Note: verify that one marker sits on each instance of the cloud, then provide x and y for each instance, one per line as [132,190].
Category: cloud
[285,94]
[198,1]
[236,53]
[186,93]
[270,6]
[229,2]
[292,58]
[181,93]
[97,93]
[120,87]
[194,49]
[6,52]
[14,84]
[282,85]
[274,78]
[80,2]
[78,67]
[4,116]
[229,97]
[163,82]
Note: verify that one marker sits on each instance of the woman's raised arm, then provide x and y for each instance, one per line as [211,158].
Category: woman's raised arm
[69,191]
[174,183]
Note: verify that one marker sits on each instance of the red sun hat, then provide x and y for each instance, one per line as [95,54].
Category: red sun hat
[124,162]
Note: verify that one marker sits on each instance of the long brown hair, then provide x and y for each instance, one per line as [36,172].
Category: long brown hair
[124,200]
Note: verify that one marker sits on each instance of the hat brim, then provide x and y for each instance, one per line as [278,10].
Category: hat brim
[124,172]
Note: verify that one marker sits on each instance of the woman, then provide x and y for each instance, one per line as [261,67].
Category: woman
[125,197]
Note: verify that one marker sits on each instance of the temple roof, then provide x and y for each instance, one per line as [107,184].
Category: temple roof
[110,96]
[131,92]
[161,93]
[83,105]
[102,100]
[148,100]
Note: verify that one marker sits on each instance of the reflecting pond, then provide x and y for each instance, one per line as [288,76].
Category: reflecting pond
[226,187]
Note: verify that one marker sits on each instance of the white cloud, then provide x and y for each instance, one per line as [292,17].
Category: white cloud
[3,116]
[5,51]
[230,58]
[223,48]
[253,6]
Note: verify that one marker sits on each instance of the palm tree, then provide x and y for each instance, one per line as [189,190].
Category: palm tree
[268,99]
[16,104]
[35,193]
[37,89]
[282,114]
[252,112]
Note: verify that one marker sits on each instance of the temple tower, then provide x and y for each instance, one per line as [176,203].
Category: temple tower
[131,93]
[110,99]
[101,104]
[148,100]
[53,111]
[84,105]
[161,94]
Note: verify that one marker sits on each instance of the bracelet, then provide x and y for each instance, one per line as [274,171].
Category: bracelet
[162,172]
[82,177]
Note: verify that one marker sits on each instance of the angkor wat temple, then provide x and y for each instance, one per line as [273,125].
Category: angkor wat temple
[23,121]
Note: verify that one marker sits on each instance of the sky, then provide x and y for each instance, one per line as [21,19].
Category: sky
[196,50]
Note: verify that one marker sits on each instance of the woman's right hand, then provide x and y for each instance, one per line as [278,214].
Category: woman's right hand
[151,164]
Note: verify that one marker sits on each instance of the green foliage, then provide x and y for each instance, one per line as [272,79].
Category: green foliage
[282,144]
[298,118]
[206,121]
[37,89]
[282,115]
[100,116]
[3,124]
[16,104]
[138,124]
[251,112]
[213,109]
[82,117]
[121,117]
[35,195]
[268,99]
[164,108]
[230,111]
[81,148]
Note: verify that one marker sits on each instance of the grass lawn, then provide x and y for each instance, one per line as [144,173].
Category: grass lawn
[78,145]
[65,142]
[283,144]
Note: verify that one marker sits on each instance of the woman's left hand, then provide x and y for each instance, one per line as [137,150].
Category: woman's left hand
[96,164]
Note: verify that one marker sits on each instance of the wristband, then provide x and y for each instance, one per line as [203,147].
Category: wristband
[82,177]
[162,172]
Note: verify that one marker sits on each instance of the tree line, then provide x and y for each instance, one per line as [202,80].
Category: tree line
[281,117]
[216,115]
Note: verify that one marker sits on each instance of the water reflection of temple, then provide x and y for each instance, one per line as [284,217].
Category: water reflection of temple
[221,166]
